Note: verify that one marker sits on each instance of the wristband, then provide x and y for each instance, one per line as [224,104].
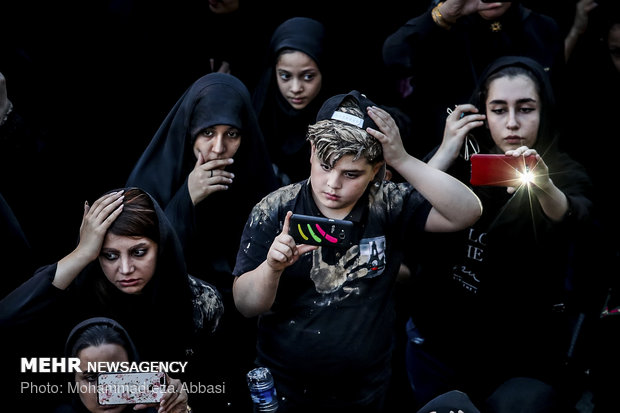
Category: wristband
[438,17]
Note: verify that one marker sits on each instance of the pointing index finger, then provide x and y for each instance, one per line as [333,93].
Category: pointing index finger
[286,224]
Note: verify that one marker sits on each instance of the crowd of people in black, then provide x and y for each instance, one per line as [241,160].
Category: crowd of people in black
[151,155]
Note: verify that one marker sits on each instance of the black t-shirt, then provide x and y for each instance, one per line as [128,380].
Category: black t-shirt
[499,288]
[333,317]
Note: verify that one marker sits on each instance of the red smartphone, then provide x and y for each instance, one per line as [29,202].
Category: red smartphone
[327,232]
[500,170]
[130,388]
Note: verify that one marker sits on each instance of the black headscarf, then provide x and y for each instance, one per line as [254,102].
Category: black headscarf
[284,126]
[546,141]
[216,98]
[298,33]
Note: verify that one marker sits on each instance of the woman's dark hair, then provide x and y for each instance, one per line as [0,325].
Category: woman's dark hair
[98,335]
[138,218]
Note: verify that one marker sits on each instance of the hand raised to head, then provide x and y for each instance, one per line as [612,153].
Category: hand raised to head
[96,221]
[388,134]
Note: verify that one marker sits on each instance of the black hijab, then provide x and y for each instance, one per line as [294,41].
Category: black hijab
[298,33]
[216,98]
[546,141]
[285,127]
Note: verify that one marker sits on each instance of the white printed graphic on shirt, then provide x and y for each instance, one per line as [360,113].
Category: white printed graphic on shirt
[365,260]
[465,274]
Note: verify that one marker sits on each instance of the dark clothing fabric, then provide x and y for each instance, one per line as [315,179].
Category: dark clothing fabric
[238,38]
[27,167]
[443,66]
[596,79]
[283,126]
[449,402]
[508,398]
[16,253]
[328,336]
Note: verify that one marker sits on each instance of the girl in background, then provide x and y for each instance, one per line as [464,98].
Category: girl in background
[494,301]
[289,93]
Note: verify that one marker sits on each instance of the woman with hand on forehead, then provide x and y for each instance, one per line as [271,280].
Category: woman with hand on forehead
[128,265]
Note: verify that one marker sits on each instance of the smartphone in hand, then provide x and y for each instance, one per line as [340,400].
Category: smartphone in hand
[326,232]
[114,388]
[500,170]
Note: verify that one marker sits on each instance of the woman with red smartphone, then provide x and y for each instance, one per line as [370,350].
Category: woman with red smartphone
[489,315]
